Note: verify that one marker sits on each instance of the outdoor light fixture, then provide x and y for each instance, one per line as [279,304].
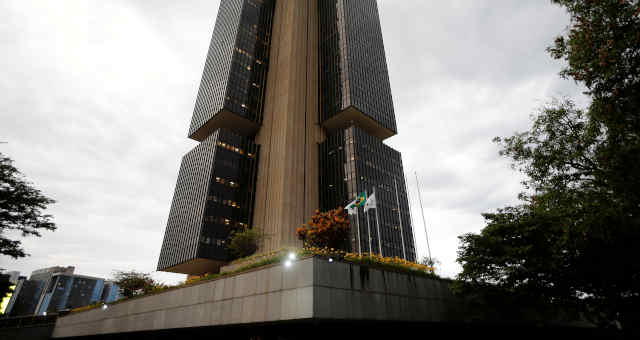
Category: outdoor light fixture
[287,263]
[330,260]
[292,256]
[44,313]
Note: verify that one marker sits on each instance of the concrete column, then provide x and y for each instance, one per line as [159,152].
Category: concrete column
[287,184]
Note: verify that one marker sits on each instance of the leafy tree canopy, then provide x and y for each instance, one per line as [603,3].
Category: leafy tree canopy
[21,209]
[134,283]
[244,242]
[430,261]
[573,240]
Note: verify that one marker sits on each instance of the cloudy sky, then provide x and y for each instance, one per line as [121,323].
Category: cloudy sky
[96,98]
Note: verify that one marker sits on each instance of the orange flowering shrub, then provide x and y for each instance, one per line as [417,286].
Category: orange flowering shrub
[326,229]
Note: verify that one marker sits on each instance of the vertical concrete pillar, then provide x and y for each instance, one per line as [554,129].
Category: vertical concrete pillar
[287,184]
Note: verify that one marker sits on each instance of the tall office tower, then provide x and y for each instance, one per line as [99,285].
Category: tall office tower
[292,109]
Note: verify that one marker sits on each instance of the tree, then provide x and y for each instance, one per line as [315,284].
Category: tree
[572,241]
[326,229]
[244,242]
[430,261]
[21,209]
[602,51]
[134,283]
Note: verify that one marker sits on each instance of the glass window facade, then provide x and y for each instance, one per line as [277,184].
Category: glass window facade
[71,291]
[351,162]
[213,196]
[110,292]
[28,298]
[235,70]
[353,68]
[50,292]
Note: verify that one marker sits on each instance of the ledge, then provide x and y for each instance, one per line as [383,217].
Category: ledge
[195,267]
[353,116]
[225,119]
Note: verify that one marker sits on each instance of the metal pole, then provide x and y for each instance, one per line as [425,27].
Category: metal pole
[424,221]
[358,223]
[368,230]
[404,252]
[413,229]
[378,225]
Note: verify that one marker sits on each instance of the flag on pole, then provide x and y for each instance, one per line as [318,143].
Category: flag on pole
[361,199]
[351,208]
[358,202]
[371,202]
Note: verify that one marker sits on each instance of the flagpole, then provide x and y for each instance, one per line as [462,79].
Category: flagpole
[404,251]
[358,223]
[378,225]
[411,221]
[368,230]
[424,223]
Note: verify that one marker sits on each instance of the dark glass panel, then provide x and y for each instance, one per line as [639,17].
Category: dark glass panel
[235,70]
[353,67]
[353,162]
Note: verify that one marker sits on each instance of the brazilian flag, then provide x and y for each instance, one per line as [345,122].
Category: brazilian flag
[361,200]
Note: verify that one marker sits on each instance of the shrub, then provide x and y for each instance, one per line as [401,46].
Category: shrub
[134,283]
[244,242]
[326,229]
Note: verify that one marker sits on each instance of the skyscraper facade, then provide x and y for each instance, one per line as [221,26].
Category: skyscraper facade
[291,114]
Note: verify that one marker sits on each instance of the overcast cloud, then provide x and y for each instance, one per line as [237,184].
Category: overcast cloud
[96,98]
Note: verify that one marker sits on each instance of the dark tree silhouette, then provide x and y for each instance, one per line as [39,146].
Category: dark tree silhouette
[21,209]
[572,243]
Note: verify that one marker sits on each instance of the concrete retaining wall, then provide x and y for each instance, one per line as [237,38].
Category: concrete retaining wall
[348,291]
[309,288]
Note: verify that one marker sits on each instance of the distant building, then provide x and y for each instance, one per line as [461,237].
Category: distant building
[9,301]
[6,280]
[51,290]
[25,298]
[70,291]
[45,276]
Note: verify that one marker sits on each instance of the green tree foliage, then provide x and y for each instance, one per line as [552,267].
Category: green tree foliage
[602,50]
[430,261]
[244,242]
[21,209]
[134,283]
[573,240]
